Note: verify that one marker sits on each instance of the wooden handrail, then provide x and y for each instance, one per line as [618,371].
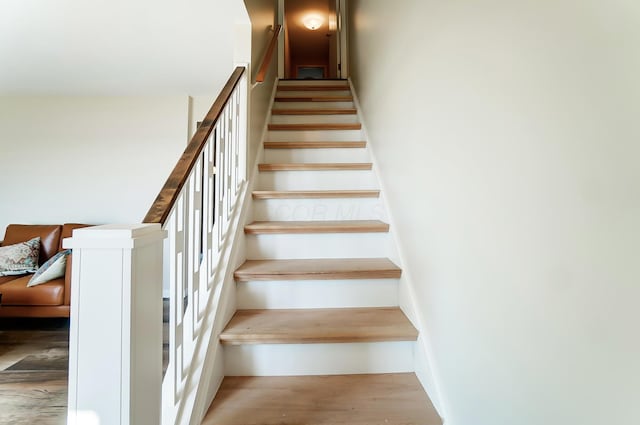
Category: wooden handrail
[168,195]
[266,59]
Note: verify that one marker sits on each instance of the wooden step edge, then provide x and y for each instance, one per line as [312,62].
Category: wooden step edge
[315,227]
[322,269]
[319,80]
[304,326]
[335,87]
[315,99]
[345,275]
[315,145]
[279,339]
[337,111]
[356,166]
[314,127]
[362,399]
[315,194]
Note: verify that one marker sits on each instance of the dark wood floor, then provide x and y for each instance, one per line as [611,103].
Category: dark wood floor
[34,357]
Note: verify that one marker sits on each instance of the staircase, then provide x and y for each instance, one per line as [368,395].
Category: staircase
[318,337]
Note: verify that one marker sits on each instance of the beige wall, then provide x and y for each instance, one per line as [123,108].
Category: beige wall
[263,17]
[508,140]
[86,159]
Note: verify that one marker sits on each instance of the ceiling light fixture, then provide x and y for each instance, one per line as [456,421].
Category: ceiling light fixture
[312,22]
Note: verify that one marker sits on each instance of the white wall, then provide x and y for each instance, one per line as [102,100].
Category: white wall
[86,159]
[117,47]
[110,94]
[508,141]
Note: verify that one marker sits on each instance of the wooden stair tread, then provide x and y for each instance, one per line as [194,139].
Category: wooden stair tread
[308,87]
[375,399]
[335,111]
[315,127]
[324,325]
[314,99]
[314,145]
[317,269]
[315,194]
[316,166]
[301,227]
[319,80]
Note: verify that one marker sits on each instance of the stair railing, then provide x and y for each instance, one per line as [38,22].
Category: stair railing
[268,55]
[195,207]
[188,242]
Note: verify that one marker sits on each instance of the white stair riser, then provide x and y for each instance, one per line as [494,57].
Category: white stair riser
[328,245]
[317,294]
[313,83]
[313,105]
[318,359]
[315,136]
[315,119]
[317,180]
[316,155]
[313,93]
[319,209]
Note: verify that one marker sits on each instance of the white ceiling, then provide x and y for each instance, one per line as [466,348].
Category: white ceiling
[116,46]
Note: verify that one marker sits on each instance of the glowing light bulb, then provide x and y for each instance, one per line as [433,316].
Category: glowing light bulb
[312,22]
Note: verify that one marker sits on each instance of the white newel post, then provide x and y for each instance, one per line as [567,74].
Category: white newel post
[115,351]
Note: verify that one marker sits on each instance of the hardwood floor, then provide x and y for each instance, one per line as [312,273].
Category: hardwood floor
[34,357]
[34,367]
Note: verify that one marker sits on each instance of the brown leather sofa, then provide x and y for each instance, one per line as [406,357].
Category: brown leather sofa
[50,299]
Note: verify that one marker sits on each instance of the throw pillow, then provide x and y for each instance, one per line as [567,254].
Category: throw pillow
[53,268]
[20,258]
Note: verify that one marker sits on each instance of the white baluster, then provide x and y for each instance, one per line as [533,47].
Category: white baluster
[198,227]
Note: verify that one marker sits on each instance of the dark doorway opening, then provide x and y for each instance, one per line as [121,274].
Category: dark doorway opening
[310,73]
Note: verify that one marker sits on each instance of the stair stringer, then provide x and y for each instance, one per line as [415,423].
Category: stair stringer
[206,370]
[423,356]
[213,369]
